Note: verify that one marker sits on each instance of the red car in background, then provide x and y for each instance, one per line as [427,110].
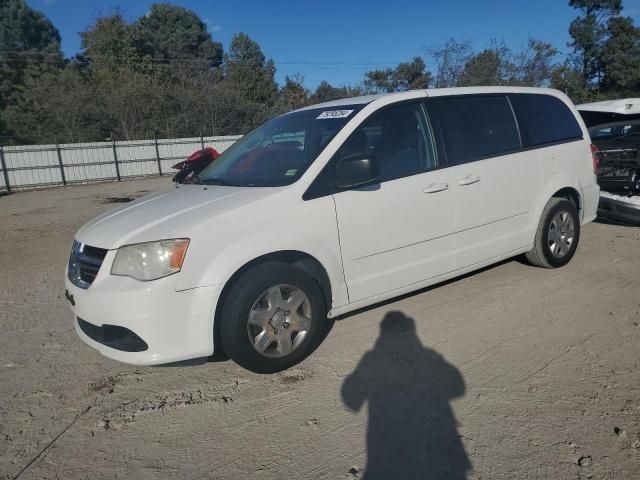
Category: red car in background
[194,164]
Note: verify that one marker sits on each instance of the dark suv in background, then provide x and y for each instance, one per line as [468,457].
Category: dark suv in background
[614,127]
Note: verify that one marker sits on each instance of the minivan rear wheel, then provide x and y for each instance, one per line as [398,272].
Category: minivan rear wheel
[273,317]
[557,235]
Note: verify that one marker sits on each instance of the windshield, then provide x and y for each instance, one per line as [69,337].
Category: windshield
[280,151]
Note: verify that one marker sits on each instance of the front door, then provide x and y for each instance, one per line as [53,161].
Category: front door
[398,232]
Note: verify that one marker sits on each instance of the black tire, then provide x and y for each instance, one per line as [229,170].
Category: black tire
[541,254]
[245,291]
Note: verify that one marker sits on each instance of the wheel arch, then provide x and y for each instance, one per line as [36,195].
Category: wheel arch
[561,187]
[572,195]
[304,261]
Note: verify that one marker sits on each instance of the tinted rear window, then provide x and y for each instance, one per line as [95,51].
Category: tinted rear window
[544,119]
[475,127]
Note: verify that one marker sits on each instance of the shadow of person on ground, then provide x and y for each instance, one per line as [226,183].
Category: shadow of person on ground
[412,431]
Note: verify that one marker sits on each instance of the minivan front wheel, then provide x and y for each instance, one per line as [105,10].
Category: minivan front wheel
[557,235]
[273,317]
[279,321]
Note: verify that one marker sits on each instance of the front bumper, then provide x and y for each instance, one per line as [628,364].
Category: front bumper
[619,209]
[175,325]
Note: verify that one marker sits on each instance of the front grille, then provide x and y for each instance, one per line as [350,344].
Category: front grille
[84,264]
[113,336]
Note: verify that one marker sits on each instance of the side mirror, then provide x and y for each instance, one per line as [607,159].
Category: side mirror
[355,171]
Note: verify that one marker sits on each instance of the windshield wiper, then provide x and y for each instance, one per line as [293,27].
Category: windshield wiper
[216,181]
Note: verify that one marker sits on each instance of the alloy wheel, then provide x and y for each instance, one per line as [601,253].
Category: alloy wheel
[279,321]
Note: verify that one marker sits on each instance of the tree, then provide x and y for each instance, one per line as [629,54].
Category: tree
[406,76]
[325,92]
[450,59]
[132,100]
[485,68]
[533,66]
[379,81]
[29,44]
[293,94]
[110,43]
[499,65]
[60,106]
[4,131]
[588,31]
[567,77]
[177,37]
[129,85]
[620,58]
[247,69]
[29,47]
[412,75]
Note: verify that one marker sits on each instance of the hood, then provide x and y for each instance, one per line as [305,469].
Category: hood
[171,214]
[610,111]
[623,106]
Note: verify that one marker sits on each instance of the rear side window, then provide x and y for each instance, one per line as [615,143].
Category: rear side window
[474,127]
[544,119]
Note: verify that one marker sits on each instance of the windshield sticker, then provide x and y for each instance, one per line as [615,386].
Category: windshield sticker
[334,114]
[291,172]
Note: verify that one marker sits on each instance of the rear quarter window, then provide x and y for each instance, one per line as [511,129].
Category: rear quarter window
[544,119]
[474,127]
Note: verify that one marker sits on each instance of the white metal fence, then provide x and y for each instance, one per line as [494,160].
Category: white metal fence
[32,166]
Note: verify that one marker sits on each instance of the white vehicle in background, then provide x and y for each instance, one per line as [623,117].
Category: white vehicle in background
[614,126]
[329,209]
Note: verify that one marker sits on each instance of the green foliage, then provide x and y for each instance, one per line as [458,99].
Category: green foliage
[484,68]
[293,93]
[177,37]
[450,59]
[499,65]
[111,43]
[29,48]
[567,77]
[606,56]
[533,66]
[588,32]
[247,69]
[163,74]
[406,76]
[129,84]
[61,107]
[620,58]
[325,92]
[597,7]
[29,45]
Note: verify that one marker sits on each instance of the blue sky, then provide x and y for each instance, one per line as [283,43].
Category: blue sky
[337,40]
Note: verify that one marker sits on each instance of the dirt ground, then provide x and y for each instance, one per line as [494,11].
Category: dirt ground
[511,372]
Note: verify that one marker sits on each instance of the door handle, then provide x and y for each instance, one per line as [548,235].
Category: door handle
[469,180]
[436,187]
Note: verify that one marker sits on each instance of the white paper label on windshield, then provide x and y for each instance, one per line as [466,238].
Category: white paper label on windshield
[334,114]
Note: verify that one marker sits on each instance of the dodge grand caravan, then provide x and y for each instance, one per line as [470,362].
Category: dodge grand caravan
[329,209]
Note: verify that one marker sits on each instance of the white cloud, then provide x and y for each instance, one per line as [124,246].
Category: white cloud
[212,26]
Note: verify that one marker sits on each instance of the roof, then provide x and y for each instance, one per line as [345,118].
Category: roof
[440,92]
[623,106]
[432,92]
[347,101]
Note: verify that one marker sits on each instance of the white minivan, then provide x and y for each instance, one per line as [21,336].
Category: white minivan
[329,209]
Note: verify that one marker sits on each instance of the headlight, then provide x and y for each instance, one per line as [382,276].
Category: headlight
[150,261]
